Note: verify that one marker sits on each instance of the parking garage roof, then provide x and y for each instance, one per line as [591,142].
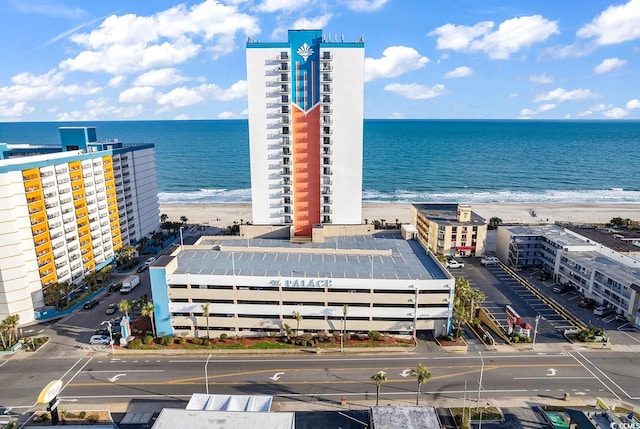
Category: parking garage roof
[382,255]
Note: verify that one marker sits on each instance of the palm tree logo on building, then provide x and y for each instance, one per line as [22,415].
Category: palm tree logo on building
[305,51]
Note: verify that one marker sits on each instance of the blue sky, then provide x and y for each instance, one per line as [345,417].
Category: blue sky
[133,60]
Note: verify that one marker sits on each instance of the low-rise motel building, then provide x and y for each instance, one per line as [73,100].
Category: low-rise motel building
[255,283]
[450,229]
[592,268]
[66,210]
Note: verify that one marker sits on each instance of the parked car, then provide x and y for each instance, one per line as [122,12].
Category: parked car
[454,264]
[586,302]
[111,308]
[100,339]
[150,260]
[561,288]
[602,310]
[489,260]
[142,268]
[90,304]
[621,318]
[115,287]
[544,276]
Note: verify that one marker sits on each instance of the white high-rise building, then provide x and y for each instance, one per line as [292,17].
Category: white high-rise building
[65,211]
[305,131]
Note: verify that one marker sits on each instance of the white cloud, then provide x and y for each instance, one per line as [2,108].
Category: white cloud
[137,94]
[528,113]
[117,81]
[633,104]
[617,24]
[585,113]
[159,77]
[541,78]
[284,5]
[227,115]
[366,5]
[48,86]
[462,71]
[511,36]
[16,111]
[182,117]
[514,95]
[245,112]
[415,91]
[49,8]
[395,60]
[317,22]
[608,65]
[100,109]
[561,94]
[600,107]
[615,113]
[183,96]
[130,43]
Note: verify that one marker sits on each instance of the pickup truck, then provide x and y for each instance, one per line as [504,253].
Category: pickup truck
[454,264]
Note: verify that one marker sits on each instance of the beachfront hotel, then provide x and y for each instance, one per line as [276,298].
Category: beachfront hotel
[66,210]
[305,99]
[307,251]
[600,269]
[450,229]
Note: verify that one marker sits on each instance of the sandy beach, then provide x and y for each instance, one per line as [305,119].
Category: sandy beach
[222,215]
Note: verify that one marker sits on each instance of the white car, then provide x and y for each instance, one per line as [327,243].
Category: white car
[150,261]
[454,264]
[489,260]
[100,339]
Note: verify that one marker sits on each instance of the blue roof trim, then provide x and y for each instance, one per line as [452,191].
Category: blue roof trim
[268,45]
[27,165]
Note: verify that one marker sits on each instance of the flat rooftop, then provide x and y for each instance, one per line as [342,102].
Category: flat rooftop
[554,233]
[447,214]
[617,240]
[383,255]
[607,266]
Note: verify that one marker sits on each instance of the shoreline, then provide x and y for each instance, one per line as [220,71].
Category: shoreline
[225,214]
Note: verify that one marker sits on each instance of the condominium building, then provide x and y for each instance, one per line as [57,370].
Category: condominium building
[305,100]
[255,286]
[592,269]
[450,229]
[66,210]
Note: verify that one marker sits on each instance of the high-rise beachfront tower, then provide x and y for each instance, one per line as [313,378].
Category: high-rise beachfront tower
[66,210]
[305,130]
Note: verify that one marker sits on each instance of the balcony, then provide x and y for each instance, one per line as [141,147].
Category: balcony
[326,131]
[326,56]
[284,56]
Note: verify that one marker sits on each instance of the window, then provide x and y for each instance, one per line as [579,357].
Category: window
[284,98]
[284,77]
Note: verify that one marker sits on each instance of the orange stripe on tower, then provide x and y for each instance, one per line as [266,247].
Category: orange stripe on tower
[306,170]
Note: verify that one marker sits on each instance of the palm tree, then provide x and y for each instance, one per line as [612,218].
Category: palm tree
[423,374]
[147,310]
[125,305]
[11,323]
[142,245]
[163,218]
[184,219]
[65,290]
[3,328]
[205,313]
[298,318]
[379,378]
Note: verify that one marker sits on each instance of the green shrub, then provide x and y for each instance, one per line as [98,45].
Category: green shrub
[148,339]
[135,344]
[223,336]
[375,335]
[206,342]
[182,340]
[167,340]
[196,341]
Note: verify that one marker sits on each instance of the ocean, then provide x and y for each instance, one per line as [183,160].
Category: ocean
[466,161]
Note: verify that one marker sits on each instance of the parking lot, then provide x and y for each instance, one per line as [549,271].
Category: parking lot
[501,288]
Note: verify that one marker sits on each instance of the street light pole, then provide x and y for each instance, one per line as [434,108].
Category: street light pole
[480,382]
[535,332]
[181,241]
[206,375]
[108,322]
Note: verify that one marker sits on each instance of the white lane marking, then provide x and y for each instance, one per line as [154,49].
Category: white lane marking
[116,377]
[276,376]
[594,376]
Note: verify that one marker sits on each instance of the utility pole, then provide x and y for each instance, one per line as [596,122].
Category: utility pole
[480,382]
[535,332]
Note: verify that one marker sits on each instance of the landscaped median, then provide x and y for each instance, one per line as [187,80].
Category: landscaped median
[307,343]
[452,344]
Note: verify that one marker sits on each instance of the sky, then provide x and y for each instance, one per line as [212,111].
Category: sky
[78,60]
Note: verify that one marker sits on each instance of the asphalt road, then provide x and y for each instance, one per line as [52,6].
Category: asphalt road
[102,379]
